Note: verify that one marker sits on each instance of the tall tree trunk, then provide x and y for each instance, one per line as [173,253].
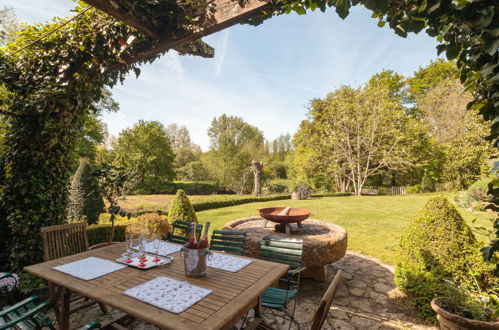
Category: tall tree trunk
[257,167]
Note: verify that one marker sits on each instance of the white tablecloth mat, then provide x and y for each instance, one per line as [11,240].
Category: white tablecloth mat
[165,248]
[89,268]
[227,262]
[168,294]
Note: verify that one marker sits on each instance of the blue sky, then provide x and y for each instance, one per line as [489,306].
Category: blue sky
[267,74]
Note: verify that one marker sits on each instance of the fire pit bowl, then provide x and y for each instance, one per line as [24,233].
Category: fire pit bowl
[294,215]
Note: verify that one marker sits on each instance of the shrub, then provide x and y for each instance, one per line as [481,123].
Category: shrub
[85,202]
[150,223]
[277,186]
[438,247]
[215,204]
[100,233]
[416,189]
[180,208]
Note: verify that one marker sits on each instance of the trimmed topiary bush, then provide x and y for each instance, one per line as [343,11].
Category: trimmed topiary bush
[85,202]
[180,208]
[150,223]
[438,247]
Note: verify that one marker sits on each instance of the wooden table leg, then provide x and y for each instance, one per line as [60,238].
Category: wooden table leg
[258,308]
[61,308]
[64,317]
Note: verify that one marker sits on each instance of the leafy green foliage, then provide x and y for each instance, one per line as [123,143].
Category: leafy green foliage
[145,152]
[150,223]
[85,201]
[233,145]
[180,208]
[100,233]
[112,181]
[357,133]
[427,183]
[51,84]
[465,29]
[437,247]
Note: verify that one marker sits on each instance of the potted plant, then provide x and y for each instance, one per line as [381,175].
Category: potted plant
[461,310]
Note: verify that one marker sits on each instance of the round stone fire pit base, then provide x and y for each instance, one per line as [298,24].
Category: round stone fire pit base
[323,242]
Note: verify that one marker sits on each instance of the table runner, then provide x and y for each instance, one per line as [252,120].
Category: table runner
[169,294]
[89,268]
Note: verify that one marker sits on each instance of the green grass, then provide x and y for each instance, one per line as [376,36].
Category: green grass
[374,223]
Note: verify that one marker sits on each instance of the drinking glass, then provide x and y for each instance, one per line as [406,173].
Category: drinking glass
[156,241]
[129,240]
[143,240]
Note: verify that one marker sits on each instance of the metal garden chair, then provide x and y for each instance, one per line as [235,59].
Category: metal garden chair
[286,251]
[65,240]
[320,314]
[230,241]
[26,315]
[181,230]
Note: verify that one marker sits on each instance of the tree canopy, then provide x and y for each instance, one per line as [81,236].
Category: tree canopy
[145,152]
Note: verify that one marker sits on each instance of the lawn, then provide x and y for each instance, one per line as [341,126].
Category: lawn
[374,223]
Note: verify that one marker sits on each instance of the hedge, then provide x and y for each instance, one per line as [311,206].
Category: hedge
[100,233]
[190,187]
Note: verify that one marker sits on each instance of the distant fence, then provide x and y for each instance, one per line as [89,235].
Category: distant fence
[399,190]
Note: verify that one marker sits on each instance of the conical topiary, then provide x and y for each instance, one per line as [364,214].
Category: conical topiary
[85,203]
[180,208]
[438,248]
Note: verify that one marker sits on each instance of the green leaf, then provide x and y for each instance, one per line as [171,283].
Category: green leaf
[423,6]
[452,52]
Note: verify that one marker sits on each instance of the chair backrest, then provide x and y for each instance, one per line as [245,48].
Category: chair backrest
[64,240]
[231,241]
[325,304]
[180,232]
[282,250]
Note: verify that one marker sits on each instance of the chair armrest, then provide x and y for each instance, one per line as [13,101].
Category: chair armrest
[32,299]
[27,315]
[91,325]
[295,271]
[6,275]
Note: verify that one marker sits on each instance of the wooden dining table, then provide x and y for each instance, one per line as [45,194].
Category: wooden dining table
[234,294]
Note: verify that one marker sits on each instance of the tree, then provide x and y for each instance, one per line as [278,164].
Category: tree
[257,167]
[233,145]
[9,26]
[112,181]
[85,201]
[179,136]
[360,132]
[458,132]
[145,152]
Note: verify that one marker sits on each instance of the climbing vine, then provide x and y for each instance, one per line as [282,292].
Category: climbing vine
[52,77]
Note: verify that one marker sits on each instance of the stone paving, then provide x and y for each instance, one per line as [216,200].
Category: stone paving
[365,299]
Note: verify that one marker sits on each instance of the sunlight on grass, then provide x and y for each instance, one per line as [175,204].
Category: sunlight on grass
[374,223]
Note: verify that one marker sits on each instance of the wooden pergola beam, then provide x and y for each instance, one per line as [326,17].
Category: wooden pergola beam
[105,6]
[227,13]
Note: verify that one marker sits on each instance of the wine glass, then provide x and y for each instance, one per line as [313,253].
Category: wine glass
[143,246]
[129,240]
[156,244]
